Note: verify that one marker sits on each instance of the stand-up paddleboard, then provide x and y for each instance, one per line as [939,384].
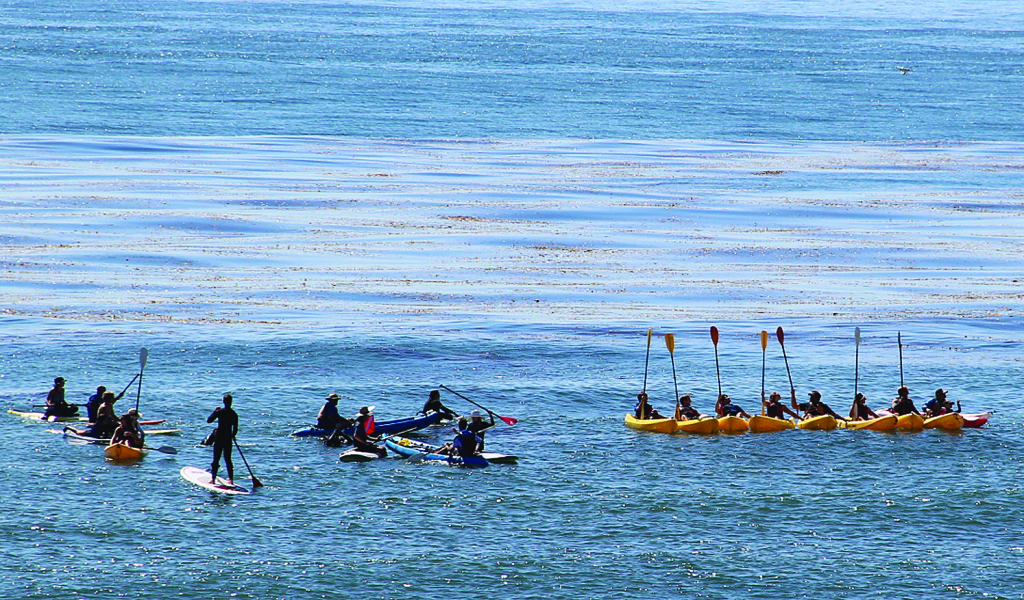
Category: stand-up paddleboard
[353,455]
[202,478]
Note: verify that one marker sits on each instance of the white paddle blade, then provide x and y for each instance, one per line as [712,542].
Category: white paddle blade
[143,357]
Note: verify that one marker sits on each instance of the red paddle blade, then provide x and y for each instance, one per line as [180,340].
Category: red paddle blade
[256,483]
[781,335]
[508,420]
[714,335]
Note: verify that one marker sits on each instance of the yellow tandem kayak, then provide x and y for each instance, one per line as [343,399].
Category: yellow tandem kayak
[884,423]
[707,425]
[766,424]
[732,424]
[946,421]
[819,423]
[658,425]
[910,421]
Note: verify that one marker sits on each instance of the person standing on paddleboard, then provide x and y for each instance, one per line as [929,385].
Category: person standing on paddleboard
[227,429]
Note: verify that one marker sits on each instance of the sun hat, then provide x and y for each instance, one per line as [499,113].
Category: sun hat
[474,414]
[334,397]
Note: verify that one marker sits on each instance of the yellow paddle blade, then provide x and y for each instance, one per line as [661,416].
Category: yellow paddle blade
[649,332]
[764,340]
[670,342]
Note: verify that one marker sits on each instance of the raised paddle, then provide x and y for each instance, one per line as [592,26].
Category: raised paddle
[856,360]
[899,340]
[143,357]
[256,483]
[670,343]
[718,371]
[782,342]
[764,349]
[507,420]
[648,359]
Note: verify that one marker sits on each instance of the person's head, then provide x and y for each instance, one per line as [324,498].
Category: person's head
[724,399]
[133,415]
[59,382]
[775,397]
[333,398]
[364,411]
[940,395]
[109,397]
[815,397]
[100,389]
[227,400]
[475,415]
[903,391]
[463,423]
[126,420]
[642,397]
[685,400]
[435,395]
[859,398]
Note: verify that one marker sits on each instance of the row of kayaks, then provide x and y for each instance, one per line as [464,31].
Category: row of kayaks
[766,424]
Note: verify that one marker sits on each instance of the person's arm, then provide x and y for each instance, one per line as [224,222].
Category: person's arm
[792,399]
[234,427]
[793,414]
[213,415]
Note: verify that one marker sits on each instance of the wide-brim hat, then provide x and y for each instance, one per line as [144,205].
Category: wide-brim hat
[366,410]
[334,397]
[474,413]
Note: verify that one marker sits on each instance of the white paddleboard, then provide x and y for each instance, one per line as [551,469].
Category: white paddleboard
[353,455]
[202,478]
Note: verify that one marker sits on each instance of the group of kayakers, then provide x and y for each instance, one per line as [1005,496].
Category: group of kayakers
[814,407]
[358,431]
[105,424]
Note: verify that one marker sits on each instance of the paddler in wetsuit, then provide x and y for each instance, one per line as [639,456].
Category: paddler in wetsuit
[362,439]
[859,411]
[227,429]
[815,407]
[644,411]
[902,404]
[774,407]
[685,412]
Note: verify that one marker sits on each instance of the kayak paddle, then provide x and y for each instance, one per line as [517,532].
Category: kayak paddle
[507,420]
[782,337]
[670,343]
[143,357]
[899,340]
[164,449]
[764,348]
[856,359]
[648,359]
[714,340]
[256,483]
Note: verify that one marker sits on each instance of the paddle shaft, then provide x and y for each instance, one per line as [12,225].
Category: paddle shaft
[143,357]
[856,361]
[256,483]
[647,360]
[781,336]
[764,349]
[899,341]
[507,420]
[718,371]
[670,342]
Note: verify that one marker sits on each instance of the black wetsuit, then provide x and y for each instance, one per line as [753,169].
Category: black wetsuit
[227,427]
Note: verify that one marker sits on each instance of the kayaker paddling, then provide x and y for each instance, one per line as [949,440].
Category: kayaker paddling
[774,408]
[725,408]
[478,426]
[433,404]
[227,429]
[129,431]
[859,410]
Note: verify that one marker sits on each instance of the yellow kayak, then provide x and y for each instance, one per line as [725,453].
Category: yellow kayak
[819,423]
[732,424]
[123,451]
[765,424]
[885,423]
[659,425]
[946,421]
[910,421]
[707,425]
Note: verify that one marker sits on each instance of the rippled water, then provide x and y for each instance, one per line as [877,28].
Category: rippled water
[284,200]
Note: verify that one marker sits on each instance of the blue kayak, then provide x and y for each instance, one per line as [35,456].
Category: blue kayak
[407,448]
[380,427]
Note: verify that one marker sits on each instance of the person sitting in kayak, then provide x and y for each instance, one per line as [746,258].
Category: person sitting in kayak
[106,419]
[725,408]
[644,411]
[478,426]
[939,405]
[363,439]
[128,431]
[56,405]
[684,411]
[774,408]
[902,404]
[859,410]
[433,404]
[328,416]
[815,407]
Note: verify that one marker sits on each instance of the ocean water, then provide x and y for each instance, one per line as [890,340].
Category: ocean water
[285,200]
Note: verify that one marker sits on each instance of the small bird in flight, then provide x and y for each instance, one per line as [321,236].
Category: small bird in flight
[904,70]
